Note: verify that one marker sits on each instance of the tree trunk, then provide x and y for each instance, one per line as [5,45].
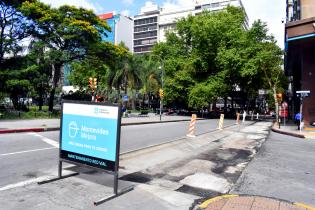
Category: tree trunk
[274,90]
[133,101]
[15,101]
[225,105]
[41,100]
[56,70]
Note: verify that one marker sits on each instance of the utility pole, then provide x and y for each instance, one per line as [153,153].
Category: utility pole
[161,92]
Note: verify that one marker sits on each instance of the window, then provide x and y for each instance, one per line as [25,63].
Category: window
[146,21]
[145,28]
[145,42]
[145,34]
[143,49]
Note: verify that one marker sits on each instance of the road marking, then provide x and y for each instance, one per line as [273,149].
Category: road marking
[211,200]
[304,206]
[27,151]
[24,183]
[47,140]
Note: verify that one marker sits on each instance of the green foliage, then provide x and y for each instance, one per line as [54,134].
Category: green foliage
[210,55]
[13,27]
[69,34]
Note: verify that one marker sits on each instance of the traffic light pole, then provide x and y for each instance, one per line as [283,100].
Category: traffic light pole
[301,109]
[161,98]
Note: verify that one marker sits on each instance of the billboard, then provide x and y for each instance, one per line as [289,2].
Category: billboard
[90,134]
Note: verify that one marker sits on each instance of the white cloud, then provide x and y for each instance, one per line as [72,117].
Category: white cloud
[127,2]
[78,3]
[125,12]
[149,4]
[269,11]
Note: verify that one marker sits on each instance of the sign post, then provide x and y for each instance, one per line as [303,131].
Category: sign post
[302,94]
[90,137]
[284,106]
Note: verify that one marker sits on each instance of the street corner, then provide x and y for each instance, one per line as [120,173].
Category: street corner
[288,130]
[249,202]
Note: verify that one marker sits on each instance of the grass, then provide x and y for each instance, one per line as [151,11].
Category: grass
[28,115]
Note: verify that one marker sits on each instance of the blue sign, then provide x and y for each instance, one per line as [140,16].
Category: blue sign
[90,134]
[125,98]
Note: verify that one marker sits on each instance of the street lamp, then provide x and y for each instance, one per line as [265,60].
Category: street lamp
[161,91]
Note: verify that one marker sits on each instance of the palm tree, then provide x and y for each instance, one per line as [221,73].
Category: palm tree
[149,77]
[126,76]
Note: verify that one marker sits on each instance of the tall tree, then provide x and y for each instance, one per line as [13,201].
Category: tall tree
[13,29]
[190,56]
[67,31]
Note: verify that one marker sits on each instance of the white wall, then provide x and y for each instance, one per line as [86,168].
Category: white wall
[124,31]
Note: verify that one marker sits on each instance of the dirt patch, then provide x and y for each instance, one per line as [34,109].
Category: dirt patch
[137,177]
[197,191]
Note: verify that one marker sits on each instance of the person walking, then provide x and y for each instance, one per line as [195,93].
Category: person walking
[297,119]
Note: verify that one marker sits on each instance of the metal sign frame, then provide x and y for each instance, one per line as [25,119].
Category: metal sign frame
[113,169]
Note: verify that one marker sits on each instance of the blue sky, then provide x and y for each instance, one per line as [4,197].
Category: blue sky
[270,11]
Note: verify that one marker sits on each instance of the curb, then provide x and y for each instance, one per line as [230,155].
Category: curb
[211,200]
[22,130]
[288,133]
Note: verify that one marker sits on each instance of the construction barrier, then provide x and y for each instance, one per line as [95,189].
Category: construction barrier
[192,126]
[244,116]
[221,121]
[238,118]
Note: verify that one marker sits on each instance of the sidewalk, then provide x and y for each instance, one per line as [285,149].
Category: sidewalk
[292,130]
[227,202]
[39,125]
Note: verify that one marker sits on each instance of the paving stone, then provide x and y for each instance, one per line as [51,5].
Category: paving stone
[251,203]
[267,203]
[288,206]
[217,205]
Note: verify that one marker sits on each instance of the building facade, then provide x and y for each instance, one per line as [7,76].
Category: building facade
[122,28]
[151,25]
[299,56]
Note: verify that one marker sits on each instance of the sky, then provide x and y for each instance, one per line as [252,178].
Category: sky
[270,11]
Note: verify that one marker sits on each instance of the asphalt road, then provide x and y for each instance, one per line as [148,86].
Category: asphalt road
[283,169]
[25,156]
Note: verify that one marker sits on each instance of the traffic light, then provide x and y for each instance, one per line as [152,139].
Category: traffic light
[90,82]
[161,92]
[95,83]
[279,96]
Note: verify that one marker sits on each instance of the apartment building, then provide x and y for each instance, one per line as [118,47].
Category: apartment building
[122,28]
[299,56]
[151,24]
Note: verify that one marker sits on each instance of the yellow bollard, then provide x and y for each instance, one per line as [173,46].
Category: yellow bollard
[221,121]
